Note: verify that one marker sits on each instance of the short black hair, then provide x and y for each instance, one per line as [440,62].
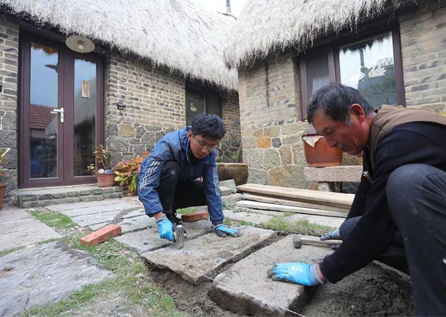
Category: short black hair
[335,100]
[208,125]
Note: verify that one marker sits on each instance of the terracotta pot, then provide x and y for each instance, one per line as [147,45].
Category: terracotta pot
[2,193]
[321,155]
[106,180]
[236,171]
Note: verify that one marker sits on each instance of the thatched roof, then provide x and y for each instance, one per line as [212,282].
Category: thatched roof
[178,34]
[265,26]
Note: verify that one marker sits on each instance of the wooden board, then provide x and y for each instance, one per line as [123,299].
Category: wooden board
[310,196]
[292,203]
[297,210]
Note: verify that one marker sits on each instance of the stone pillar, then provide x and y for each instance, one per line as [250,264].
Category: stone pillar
[230,149]
[9,60]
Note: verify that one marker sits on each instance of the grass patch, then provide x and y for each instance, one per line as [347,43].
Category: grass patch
[7,251]
[130,283]
[303,227]
[54,219]
[226,205]
[231,222]
[186,211]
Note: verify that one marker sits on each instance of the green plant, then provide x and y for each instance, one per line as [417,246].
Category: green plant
[127,172]
[237,156]
[101,154]
[3,153]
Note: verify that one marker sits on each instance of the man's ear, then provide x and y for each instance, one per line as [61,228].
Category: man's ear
[357,111]
[189,134]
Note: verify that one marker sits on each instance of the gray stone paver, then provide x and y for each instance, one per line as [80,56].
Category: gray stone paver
[71,206]
[44,274]
[128,224]
[18,228]
[246,289]
[202,257]
[148,240]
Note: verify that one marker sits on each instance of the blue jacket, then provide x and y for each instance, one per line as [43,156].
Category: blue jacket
[174,146]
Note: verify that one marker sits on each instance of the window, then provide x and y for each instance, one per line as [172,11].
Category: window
[372,65]
[202,101]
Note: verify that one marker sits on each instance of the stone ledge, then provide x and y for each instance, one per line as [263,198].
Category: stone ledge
[333,174]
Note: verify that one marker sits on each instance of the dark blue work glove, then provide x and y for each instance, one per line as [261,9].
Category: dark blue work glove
[222,231]
[331,236]
[165,228]
[298,273]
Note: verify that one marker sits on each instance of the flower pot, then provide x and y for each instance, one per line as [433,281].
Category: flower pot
[2,193]
[236,171]
[106,180]
[321,155]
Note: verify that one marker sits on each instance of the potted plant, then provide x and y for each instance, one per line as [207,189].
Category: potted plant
[3,173]
[104,175]
[317,151]
[127,173]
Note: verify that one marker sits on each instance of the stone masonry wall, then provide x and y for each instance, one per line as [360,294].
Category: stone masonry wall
[154,102]
[231,145]
[423,42]
[9,55]
[271,131]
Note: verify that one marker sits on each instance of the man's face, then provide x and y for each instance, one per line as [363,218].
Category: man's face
[200,145]
[351,138]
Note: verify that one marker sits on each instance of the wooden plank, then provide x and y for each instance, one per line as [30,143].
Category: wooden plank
[297,210]
[291,203]
[310,196]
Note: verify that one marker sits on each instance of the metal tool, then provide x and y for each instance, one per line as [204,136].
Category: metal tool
[298,241]
[179,236]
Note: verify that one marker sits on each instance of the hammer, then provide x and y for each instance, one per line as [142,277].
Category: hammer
[298,241]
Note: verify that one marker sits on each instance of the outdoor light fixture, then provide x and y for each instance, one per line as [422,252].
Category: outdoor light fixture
[121,105]
[1,87]
[80,44]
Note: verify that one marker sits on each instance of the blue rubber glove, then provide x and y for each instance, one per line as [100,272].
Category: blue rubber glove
[331,236]
[165,228]
[222,231]
[298,273]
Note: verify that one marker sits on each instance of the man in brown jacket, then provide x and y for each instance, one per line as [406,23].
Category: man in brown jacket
[399,210]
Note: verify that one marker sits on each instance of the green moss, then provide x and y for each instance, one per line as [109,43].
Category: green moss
[301,226]
[186,211]
[54,219]
[7,251]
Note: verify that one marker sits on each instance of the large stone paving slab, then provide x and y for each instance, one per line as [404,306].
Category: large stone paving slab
[43,274]
[18,228]
[201,258]
[128,224]
[148,240]
[81,205]
[246,289]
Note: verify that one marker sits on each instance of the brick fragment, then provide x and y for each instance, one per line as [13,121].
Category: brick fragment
[195,216]
[101,235]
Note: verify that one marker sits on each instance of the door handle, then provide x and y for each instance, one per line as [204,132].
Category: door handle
[61,111]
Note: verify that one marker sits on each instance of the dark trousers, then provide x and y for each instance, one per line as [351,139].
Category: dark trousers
[417,199]
[175,193]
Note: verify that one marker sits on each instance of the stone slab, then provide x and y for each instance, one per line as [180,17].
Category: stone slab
[18,228]
[62,207]
[128,224]
[148,240]
[333,174]
[255,218]
[201,258]
[225,191]
[84,211]
[44,274]
[246,289]
[320,220]
[230,183]
[106,217]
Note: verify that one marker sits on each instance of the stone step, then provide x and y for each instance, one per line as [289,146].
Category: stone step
[201,258]
[246,289]
[46,196]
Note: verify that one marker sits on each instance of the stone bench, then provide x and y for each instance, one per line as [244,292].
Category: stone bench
[327,176]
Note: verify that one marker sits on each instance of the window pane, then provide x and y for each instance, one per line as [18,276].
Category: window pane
[84,115]
[194,104]
[369,67]
[43,124]
[213,103]
[317,71]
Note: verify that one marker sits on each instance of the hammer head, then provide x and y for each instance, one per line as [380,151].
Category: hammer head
[296,242]
[179,236]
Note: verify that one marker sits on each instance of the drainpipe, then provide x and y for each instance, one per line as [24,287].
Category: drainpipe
[228,6]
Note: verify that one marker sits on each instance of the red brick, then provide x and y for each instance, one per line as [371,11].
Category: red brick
[195,216]
[101,235]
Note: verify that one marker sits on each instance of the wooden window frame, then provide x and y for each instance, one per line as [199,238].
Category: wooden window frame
[334,71]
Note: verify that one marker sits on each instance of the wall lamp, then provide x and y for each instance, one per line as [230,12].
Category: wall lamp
[121,105]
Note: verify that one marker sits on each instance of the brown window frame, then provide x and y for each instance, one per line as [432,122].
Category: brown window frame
[334,71]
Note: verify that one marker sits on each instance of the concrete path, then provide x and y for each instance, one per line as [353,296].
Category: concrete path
[18,228]
[201,258]
[246,289]
[44,274]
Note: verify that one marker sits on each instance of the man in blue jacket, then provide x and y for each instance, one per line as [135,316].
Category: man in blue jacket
[180,172]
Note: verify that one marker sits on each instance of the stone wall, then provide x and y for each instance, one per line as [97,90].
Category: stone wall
[231,145]
[423,42]
[9,48]
[271,131]
[154,102]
